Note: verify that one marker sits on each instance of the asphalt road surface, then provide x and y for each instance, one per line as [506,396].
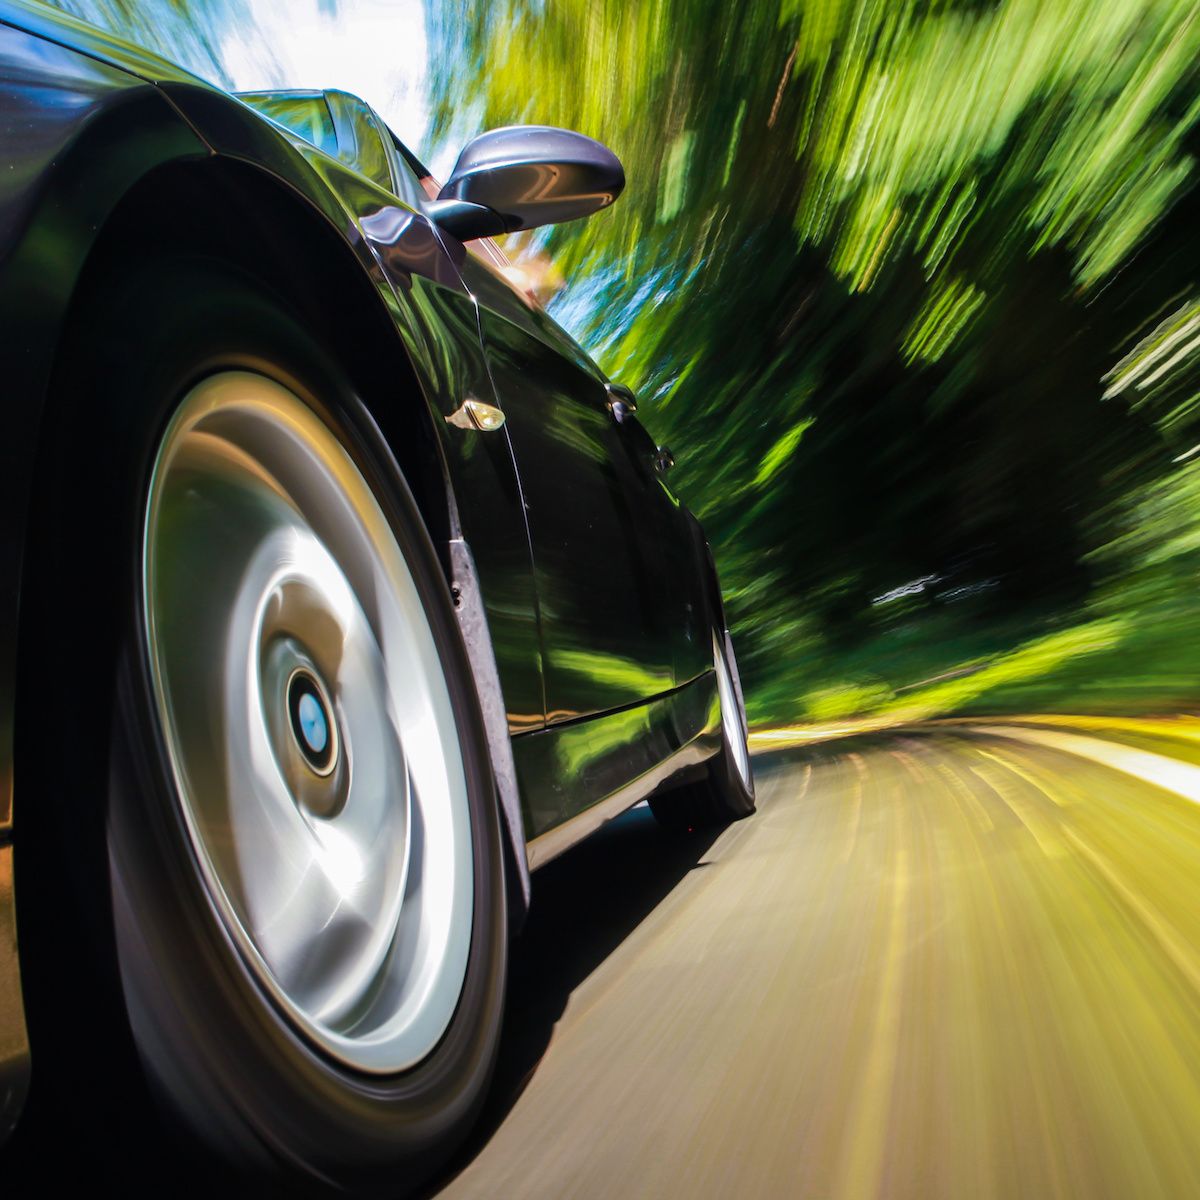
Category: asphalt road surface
[955,963]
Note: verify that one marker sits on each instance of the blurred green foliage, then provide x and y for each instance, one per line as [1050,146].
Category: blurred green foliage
[911,289]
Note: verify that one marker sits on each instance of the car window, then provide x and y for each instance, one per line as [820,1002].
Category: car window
[305,114]
[360,142]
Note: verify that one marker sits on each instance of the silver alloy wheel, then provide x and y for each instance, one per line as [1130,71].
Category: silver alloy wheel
[315,753]
[732,720]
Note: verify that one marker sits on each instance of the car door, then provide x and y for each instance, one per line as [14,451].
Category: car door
[593,505]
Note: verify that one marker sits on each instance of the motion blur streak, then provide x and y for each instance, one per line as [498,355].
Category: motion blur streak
[911,290]
[944,962]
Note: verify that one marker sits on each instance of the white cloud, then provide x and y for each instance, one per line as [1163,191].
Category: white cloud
[375,49]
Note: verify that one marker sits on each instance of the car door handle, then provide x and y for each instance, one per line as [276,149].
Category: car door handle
[664,460]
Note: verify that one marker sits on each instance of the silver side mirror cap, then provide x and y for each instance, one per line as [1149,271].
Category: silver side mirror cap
[524,176]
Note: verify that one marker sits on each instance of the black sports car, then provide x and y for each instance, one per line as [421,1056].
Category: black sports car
[340,591]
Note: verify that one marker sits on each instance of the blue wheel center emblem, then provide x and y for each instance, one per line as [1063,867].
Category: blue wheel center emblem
[311,721]
[313,726]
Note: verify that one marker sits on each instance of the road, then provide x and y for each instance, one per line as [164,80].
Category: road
[946,962]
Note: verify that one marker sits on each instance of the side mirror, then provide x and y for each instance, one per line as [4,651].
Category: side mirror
[524,176]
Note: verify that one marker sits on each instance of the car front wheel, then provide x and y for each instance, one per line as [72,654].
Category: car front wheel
[273,862]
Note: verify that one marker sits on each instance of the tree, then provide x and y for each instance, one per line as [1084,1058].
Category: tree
[872,273]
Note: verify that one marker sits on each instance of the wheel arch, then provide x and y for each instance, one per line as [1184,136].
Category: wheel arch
[248,218]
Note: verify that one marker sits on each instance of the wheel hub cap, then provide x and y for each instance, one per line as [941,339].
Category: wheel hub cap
[311,722]
[314,749]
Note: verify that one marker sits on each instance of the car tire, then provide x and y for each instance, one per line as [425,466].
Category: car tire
[263,828]
[725,792]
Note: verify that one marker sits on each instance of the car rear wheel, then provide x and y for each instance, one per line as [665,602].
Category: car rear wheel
[274,866]
[726,791]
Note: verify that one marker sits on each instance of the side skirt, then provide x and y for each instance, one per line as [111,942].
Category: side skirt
[575,776]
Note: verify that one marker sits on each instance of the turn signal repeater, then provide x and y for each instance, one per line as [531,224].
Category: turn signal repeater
[475,414]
